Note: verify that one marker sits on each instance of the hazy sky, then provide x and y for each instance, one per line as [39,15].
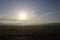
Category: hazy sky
[46,11]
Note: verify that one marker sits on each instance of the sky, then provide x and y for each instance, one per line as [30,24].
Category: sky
[40,11]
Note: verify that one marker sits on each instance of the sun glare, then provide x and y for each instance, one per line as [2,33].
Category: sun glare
[23,16]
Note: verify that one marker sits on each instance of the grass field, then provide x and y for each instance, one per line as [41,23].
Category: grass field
[49,31]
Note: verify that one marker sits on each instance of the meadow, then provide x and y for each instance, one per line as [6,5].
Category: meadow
[50,31]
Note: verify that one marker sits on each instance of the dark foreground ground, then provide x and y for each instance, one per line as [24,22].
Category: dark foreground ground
[30,32]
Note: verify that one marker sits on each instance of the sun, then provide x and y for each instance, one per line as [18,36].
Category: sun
[23,16]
